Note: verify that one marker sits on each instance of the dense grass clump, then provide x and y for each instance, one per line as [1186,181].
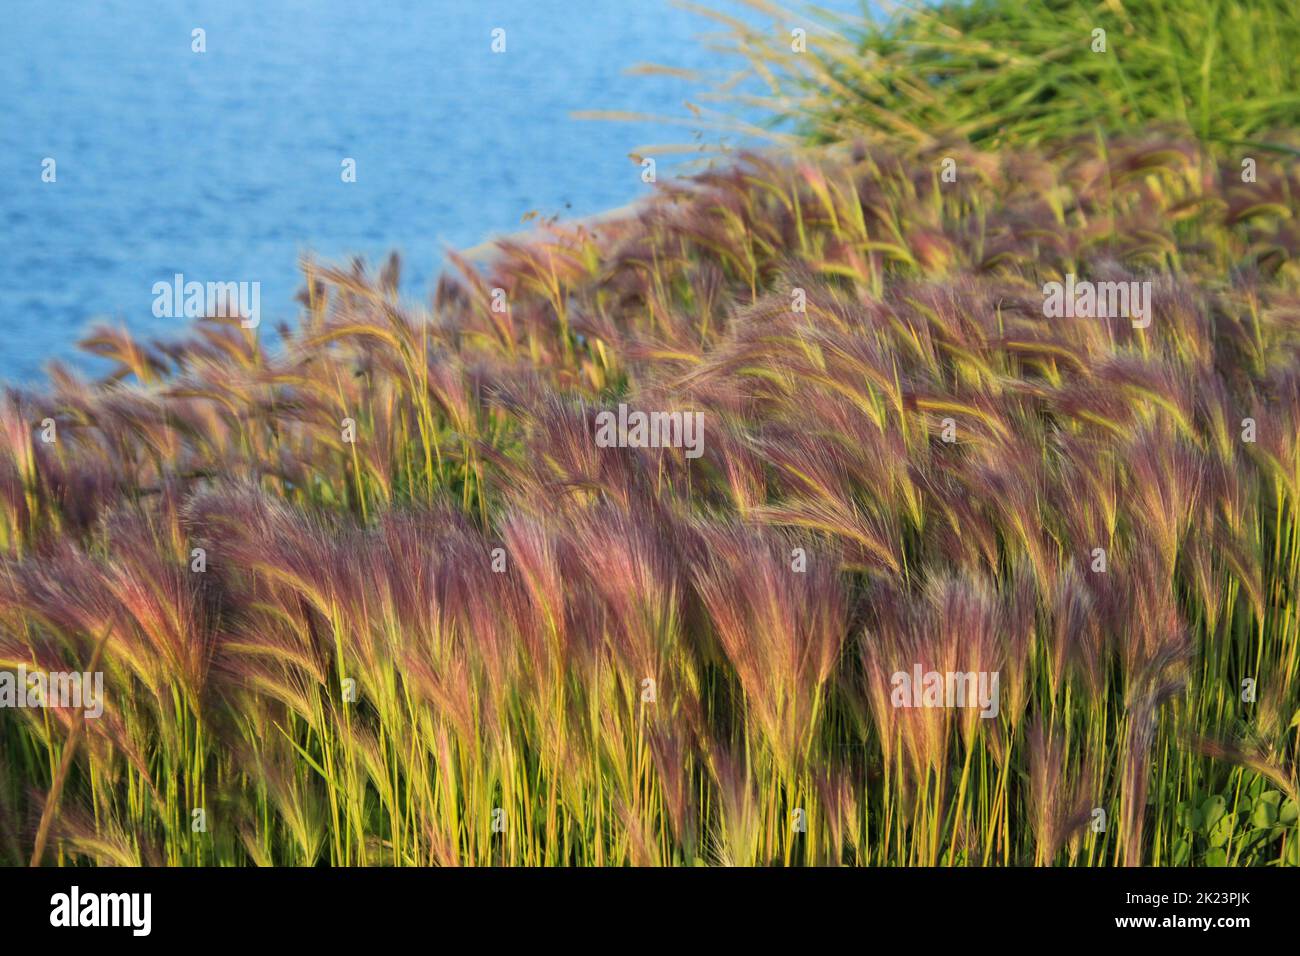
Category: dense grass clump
[1009,72]
[471,635]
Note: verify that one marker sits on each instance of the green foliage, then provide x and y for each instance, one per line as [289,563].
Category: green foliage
[1014,72]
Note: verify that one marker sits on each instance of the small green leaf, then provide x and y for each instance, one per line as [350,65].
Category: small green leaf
[1182,850]
[1288,812]
[1216,858]
[1212,810]
[1190,817]
[1265,810]
[1221,831]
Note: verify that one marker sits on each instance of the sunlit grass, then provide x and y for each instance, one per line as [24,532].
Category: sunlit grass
[1000,73]
[360,677]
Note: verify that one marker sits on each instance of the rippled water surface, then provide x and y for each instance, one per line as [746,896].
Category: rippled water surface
[226,165]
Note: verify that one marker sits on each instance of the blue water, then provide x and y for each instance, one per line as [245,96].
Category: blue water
[225,165]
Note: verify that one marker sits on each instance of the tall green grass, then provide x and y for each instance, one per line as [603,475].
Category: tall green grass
[998,73]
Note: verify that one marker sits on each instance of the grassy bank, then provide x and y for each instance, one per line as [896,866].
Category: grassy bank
[999,73]
[430,621]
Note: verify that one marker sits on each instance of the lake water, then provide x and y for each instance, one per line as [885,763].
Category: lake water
[225,165]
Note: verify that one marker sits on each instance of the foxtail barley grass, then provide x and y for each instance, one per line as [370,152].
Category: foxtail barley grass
[376,597]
